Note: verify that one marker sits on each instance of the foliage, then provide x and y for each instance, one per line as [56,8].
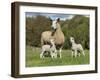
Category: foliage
[77,27]
[34,27]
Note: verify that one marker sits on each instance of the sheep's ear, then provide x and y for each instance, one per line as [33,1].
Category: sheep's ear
[58,20]
[51,20]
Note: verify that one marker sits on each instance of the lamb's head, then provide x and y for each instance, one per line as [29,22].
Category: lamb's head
[72,39]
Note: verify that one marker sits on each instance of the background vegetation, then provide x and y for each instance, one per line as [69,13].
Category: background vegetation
[78,27]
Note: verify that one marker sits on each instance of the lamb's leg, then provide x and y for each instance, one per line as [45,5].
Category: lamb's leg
[52,54]
[41,55]
[83,53]
[75,53]
[72,53]
[81,48]
[55,54]
[79,54]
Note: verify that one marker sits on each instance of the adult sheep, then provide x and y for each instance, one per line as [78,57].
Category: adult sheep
[56,33]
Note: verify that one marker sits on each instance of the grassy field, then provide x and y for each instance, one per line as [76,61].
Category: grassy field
[33,59]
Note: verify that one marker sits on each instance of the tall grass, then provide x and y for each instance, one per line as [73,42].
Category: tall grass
[33,58]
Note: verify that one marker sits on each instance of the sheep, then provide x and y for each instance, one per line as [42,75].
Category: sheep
[49,48]
[76,47]
[57,34]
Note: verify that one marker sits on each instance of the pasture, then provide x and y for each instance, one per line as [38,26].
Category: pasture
[33,58]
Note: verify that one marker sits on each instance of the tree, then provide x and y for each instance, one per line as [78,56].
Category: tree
[77,27]
[34,27]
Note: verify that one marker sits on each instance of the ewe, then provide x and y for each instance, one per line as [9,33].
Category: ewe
[49,48]
[76,48]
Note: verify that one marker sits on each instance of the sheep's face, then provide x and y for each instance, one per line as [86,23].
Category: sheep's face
[71,39]
[54,25]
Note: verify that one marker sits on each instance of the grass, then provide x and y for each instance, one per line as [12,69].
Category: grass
[33,58]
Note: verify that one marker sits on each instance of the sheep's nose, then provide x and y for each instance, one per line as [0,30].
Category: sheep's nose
[53,28]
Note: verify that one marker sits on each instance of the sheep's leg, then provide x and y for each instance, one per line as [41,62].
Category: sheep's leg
[57,53]
[60,53]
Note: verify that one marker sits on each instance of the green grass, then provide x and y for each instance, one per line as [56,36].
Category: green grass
[33,58]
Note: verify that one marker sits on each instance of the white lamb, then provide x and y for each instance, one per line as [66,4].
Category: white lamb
[49,48]
[76,47]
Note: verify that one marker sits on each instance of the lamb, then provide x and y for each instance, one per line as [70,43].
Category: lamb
[49,48]
[76,47]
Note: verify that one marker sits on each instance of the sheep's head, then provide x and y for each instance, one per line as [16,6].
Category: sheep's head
[54,25]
